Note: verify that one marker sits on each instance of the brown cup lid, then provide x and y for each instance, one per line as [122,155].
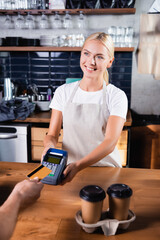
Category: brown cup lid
[119,190]
[92,193]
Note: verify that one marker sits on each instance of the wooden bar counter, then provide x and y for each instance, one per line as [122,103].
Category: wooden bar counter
[44,117]
[52,217]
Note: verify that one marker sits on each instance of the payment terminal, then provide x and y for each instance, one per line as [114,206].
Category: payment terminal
[55,160]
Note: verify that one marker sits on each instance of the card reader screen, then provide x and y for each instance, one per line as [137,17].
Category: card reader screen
[54,159]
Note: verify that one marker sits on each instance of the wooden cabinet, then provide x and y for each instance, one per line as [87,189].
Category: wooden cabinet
[38,134]
[37,137]
[145,147]
[122,146]
[155,146]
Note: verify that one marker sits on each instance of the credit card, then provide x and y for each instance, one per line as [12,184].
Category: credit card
[40,172]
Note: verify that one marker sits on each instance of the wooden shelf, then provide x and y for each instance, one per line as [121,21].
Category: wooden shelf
[56,49]
[71,11]
[124,49]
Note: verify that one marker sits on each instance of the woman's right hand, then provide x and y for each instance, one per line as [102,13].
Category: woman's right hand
[51,139]
[45,150]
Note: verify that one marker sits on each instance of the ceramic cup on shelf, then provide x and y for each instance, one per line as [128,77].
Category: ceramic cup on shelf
[92,197]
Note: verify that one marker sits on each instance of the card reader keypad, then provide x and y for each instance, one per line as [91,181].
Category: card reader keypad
[51,166]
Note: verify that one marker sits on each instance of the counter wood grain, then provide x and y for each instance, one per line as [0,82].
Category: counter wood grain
[52,217]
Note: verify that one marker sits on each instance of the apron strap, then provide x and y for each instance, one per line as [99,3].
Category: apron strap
[104,95]
[105,107]
[74,91]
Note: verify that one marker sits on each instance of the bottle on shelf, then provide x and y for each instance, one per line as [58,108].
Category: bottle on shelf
[56,4]
[8,89]
[24,4]
[49,93]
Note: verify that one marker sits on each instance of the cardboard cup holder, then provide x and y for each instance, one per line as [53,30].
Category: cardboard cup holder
[109,226]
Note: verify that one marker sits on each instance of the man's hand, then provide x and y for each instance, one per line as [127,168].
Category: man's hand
[24,193]
[28,191]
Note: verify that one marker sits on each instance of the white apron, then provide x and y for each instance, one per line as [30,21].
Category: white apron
[84,127]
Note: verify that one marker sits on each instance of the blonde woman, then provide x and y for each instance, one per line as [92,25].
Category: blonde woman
[92,111]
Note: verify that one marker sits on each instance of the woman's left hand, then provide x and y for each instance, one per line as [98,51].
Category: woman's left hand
[69,173]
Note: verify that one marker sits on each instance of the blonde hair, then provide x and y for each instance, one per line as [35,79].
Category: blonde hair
[107,41]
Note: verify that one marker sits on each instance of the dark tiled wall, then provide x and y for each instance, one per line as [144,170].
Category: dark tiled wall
[52,68]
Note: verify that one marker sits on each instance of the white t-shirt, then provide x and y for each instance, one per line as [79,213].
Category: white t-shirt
[116,99]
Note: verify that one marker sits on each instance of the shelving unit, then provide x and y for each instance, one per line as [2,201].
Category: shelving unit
[107,11]
[71,11]
[55,49]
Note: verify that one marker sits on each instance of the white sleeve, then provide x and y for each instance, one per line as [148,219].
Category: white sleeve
[119,104]
[57,101]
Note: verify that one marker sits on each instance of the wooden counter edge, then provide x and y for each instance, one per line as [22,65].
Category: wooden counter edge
[44,117]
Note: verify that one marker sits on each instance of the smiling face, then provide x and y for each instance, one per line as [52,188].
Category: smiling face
[94,59]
